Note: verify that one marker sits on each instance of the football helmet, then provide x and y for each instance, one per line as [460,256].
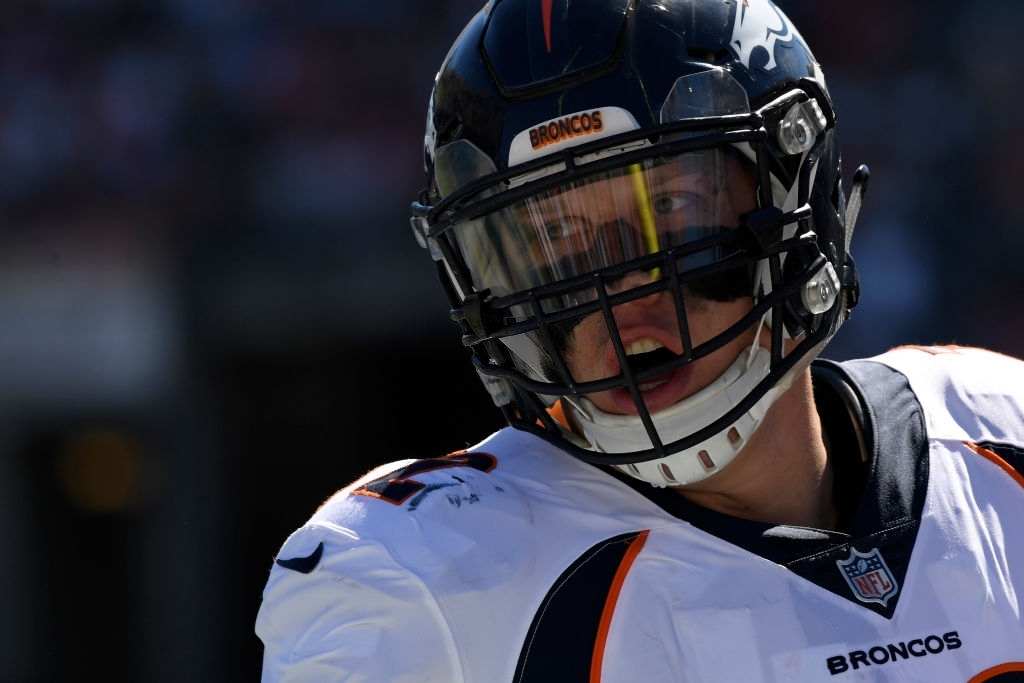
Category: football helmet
[589,158]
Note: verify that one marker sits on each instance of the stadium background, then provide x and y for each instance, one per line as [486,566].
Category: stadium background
[213,314]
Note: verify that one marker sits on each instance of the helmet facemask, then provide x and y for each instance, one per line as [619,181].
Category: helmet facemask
[661,286]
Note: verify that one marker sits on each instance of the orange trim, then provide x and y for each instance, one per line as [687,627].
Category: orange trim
[485,462]
[557,413]
[989,674]
[994,458]
[635,546]
[546,7]
[373,494]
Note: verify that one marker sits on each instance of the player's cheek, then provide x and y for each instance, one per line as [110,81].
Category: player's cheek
[584,349]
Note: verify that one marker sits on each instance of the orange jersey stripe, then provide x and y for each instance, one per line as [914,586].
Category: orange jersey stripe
[557,413]
[609,604]
[994,458]
[989,674]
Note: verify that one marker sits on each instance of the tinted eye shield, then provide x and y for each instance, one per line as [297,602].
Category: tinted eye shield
[499,190]
[487,316]
[433,215]
[453,225]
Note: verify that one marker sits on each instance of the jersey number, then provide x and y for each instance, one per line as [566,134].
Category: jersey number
[398,487]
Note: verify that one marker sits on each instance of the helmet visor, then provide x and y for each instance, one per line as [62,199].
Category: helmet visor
[611,218]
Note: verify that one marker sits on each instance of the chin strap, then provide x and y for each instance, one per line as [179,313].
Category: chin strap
[607,433]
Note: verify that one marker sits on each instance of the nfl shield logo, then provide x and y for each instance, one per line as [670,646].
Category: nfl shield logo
[868,576]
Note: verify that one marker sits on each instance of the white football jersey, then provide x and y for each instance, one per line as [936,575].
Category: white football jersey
[515,562]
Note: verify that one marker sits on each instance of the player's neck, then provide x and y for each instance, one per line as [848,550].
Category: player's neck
[783,476]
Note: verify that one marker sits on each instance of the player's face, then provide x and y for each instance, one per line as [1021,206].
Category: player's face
[649,326]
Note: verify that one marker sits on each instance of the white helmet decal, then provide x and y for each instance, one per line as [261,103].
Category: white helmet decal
[430,135]
[759,24]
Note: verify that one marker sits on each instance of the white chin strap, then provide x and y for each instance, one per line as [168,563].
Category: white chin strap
[607,433]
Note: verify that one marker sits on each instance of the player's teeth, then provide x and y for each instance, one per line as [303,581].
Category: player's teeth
[642,346]
[647,386]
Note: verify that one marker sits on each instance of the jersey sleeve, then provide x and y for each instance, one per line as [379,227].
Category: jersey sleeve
[344,610]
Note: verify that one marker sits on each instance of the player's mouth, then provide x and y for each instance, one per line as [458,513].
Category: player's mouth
[647,349]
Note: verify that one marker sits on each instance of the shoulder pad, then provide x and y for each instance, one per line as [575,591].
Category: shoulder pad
[436,513]
[968,394]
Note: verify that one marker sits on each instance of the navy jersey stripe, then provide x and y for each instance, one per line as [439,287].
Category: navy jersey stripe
[560,643]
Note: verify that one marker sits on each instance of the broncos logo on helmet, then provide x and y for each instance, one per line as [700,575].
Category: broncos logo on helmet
[759,24]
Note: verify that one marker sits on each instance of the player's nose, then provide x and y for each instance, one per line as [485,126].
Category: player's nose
[634,280]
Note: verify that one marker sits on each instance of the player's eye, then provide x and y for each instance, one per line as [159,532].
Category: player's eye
[556,230]
[675,202]
[561,229]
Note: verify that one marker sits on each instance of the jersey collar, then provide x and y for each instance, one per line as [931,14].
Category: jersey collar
[879,450]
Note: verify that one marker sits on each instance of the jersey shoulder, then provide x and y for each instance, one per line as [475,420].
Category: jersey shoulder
[512,480]
[967,394]
[387,554]
[336,605]
[423,507]
[350,591]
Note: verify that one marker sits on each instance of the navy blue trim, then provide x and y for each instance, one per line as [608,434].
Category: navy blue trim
[399,486]
[844,428]
[304,565]
[881,478]
[560,643]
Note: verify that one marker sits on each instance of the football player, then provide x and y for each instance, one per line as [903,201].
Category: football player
[636,209]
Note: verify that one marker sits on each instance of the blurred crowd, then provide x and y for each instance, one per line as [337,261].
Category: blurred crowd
[214,314]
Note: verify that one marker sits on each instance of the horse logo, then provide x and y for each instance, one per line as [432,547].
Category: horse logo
[759,23]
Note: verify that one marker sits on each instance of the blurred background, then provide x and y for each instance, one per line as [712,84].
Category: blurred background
[214,315]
